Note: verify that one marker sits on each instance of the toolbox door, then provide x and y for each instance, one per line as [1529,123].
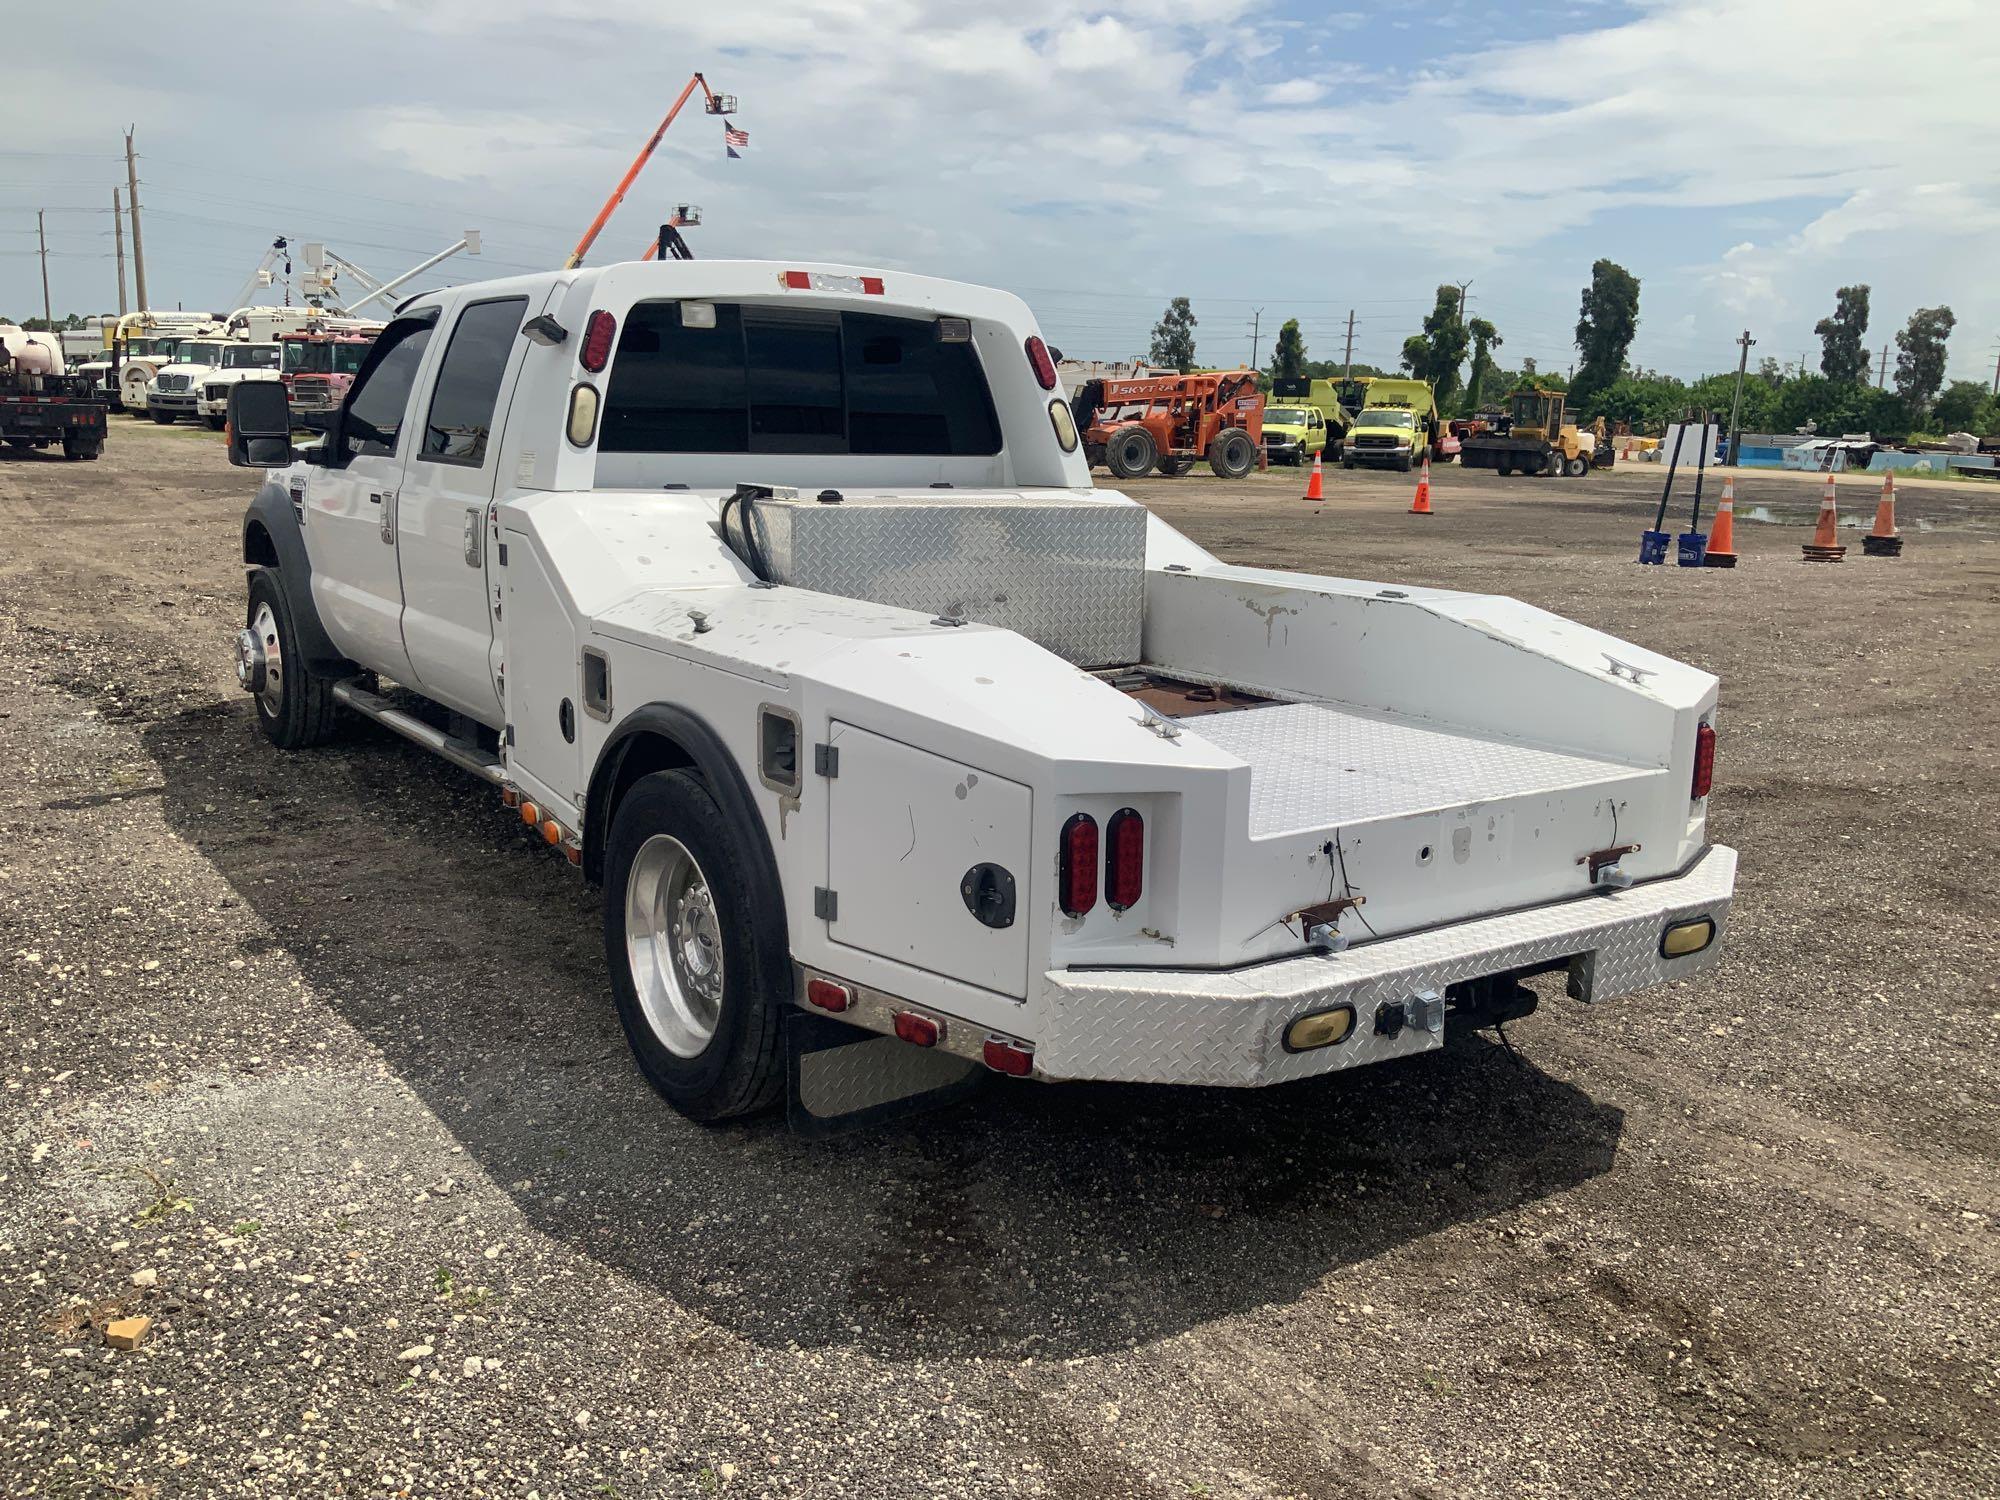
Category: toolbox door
[905,831]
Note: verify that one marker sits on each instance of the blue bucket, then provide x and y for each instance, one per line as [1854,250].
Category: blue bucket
[1694,548]
[1653,547]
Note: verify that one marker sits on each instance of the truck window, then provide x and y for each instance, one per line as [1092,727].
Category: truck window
[376,404]
[792,380]
[468,382]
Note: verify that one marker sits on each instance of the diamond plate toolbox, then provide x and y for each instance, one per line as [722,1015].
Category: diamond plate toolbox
[1067,573]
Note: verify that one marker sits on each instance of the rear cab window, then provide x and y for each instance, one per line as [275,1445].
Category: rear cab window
[720,378]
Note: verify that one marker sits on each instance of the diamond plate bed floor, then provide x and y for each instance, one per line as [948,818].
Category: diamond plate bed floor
[1313,766]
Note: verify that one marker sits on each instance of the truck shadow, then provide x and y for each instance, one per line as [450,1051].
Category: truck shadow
[1033,1220]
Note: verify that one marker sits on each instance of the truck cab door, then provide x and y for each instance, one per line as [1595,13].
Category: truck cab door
[442,520]
[351,499]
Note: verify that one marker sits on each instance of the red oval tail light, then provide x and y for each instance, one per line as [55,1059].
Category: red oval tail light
[1124,858]
[1704,762]
[1077,875]
[1039,361]
[597,335]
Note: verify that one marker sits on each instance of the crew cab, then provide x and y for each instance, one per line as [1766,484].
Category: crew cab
[240,361]
[778,600]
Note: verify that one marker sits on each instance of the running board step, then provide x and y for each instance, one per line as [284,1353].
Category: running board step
[462,753]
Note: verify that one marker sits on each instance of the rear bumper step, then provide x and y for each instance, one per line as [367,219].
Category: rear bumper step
[1227,1027]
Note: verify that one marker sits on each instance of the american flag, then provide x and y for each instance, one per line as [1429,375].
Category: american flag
[733,137]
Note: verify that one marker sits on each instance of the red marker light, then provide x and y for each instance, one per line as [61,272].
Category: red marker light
[1124,858]
[1040,363]
[1077,874]
[827,995]
[1011,1058]
[597,335]
[918,1031]
[1704,762]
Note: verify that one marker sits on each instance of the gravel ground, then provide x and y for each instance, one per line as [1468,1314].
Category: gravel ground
[308,1060]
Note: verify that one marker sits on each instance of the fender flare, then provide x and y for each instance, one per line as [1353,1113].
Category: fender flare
[271,513]
[705,752]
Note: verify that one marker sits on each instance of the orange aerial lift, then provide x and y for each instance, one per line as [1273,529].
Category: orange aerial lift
[714,103]
[1173,421]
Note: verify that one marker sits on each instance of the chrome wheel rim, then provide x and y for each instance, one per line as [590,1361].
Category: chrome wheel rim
[271,692]
[673,945]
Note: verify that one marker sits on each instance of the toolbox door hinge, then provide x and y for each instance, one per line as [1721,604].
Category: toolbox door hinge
[826,904]
[826,760]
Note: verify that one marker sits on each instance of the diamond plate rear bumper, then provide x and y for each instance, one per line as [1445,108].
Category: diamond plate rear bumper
[1226,1027]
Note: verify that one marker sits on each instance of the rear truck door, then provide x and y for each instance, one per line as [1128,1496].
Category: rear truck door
[906,830]
[441,520]
[351,502]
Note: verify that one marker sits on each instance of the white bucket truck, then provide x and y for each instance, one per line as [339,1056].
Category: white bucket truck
[777,597]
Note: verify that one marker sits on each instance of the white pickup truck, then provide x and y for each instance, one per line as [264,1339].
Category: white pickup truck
[777,597]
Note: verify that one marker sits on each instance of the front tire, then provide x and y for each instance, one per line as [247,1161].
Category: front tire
[216,424]
[1232,455]
[697,966]
[164,418]
[1576,468]
[295,705]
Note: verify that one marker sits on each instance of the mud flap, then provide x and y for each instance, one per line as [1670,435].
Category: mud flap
[840,1078]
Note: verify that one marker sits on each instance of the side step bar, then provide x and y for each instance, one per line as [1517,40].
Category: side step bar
[462,753]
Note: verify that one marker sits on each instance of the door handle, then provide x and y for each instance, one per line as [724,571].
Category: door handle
[474,551]
[387,500]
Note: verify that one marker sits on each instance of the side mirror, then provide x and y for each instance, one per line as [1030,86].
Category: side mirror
[260,424]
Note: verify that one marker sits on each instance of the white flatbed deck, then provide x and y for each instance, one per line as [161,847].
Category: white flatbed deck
[1316,766]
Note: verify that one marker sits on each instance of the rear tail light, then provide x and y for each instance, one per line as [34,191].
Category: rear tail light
[1124,859]
[597,335]
[1039,361]
[1011,1058]
[827,995]
[1077,877]
[1704,762]
[918,1031]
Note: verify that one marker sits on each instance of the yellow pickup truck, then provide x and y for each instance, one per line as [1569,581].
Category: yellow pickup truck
[1303,420]
[1398,426]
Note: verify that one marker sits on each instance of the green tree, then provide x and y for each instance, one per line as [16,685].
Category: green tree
[1920,355]
[1173,336]
[1964,407]
[1843,338]
[1605,324]
[1288,355]
[1437,352]
[1485,339]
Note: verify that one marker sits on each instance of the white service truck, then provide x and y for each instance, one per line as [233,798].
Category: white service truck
[778,599]
[240,361]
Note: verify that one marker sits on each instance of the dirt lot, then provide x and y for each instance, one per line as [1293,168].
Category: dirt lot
[309,1061]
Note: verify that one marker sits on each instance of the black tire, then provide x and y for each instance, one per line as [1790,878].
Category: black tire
[300,712]
[1129,453]
[1576,468]
[1405,464]
[740,1069]
[1172,467]
[1232,455]
[216,424]
[80,446]
[1347,463]
[164,418]
[1505,471]
[1553,466]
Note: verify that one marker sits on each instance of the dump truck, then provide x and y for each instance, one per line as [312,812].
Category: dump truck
[42,405]
[1397,427]
[1304,420]
[1532,438]
[775,599]
[1172,422]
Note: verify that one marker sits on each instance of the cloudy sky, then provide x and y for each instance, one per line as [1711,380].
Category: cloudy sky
[1743,158]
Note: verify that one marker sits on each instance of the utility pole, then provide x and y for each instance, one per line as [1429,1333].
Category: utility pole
[1882,379]
[138,244]
[48,309]
[1736,407]
[1996,375]
[1350,348]
[118,237]
[1256,327]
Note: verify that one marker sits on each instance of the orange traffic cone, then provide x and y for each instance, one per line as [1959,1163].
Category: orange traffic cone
[1421,506]
[1722,536]
[1316,486]
[1825,545]
[1884,540]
